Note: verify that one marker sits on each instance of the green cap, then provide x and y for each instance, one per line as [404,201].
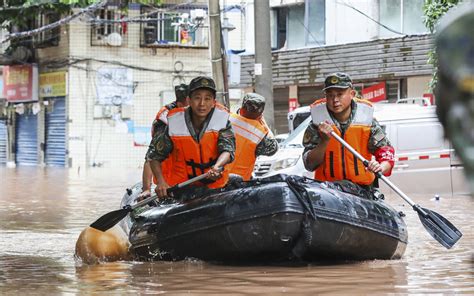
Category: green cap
[253,102]
[202,82]
[337,80]
[181,92]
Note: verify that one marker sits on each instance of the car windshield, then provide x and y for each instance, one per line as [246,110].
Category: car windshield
[295,139]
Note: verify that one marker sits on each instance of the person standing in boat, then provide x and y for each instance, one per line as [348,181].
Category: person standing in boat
[253,137]
[199,139]
[158,127]
[352,119]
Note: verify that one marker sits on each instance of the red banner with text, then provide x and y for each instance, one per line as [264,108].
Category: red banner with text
[375,93]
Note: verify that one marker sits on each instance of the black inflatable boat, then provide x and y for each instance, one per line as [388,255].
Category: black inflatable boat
[272,219]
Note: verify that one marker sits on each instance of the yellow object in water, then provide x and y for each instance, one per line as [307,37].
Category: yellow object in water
[95,246]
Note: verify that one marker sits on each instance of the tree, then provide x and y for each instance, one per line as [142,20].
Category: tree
[433,11]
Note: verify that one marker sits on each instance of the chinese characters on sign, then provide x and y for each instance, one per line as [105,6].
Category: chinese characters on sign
[20,83]
[375,93]
[292,104]
[52,84]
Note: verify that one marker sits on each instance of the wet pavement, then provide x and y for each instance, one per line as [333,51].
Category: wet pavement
[43,210]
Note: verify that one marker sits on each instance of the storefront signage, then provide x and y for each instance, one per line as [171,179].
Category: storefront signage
[52,84]
[292,104]
[20,83]
[375,93]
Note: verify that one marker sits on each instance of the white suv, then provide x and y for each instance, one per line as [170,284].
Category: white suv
[288,158]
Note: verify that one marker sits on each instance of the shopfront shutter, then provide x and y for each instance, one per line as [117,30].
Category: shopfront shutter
[56,134]
[308,94]
[27,139]
[3,142]
[280,108]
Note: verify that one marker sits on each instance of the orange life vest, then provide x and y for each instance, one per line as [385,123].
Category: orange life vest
[166,165]
[339,163]
[191,158]
[248,134]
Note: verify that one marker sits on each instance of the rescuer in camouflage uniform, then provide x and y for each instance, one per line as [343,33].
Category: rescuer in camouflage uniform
[255,103]
[158,127]
[339,87]
[163,144]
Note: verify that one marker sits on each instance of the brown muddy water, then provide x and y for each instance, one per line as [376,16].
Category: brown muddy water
[42,212]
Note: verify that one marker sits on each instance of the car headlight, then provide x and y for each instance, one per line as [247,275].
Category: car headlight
[285,163]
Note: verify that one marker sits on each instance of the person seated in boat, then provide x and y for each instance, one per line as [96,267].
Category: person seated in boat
[199,139]
[158,127]
[352,119]
[253,137]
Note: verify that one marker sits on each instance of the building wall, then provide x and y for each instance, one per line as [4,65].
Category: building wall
[236,16]
[346,25]
[110,141]
[417,86]
[371,60]
[394,60]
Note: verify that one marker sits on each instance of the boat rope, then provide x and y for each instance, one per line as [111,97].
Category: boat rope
[305,238]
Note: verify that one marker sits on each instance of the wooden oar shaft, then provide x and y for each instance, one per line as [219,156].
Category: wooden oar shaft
[171,189]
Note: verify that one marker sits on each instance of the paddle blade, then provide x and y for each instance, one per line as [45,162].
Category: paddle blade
[109,220]
[439,227]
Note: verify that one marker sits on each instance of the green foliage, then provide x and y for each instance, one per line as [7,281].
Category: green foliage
[433,11]
[21,13]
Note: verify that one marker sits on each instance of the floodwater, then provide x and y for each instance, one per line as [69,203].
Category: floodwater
[42,212]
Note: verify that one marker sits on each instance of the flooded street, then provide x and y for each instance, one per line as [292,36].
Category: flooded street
[42,212]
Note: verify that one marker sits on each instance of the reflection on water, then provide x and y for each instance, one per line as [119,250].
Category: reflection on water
[42,212]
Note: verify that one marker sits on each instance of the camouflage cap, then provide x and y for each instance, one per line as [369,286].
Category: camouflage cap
[253,102]
[337,80]
[181,92]
[202,82]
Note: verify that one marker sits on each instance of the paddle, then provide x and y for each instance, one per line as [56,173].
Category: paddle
[437,226]
[109,220]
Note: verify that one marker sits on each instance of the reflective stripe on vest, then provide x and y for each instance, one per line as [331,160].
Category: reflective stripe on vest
[191,158]
[163,115]
[339,163]
[248,134]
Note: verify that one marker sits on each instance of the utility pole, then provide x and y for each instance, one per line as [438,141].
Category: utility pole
[217,53]
[263,58]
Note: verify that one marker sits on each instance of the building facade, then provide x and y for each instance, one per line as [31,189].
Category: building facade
[382,44]
[100,83]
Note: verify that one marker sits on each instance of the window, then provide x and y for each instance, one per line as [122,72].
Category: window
[278,27]
[405,16]
[299,25]
[315,19]
[108,33]
[49,37]
[183,28]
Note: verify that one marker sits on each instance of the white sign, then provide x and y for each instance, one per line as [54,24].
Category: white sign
[258,69]
[114,86]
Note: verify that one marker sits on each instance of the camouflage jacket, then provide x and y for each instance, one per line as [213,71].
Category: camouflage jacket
[268,146]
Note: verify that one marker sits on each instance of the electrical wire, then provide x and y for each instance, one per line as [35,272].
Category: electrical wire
[367,16]
[321,46]
[65,20]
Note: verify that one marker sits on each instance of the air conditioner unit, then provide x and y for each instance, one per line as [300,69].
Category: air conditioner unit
[114,39]
[198,14]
